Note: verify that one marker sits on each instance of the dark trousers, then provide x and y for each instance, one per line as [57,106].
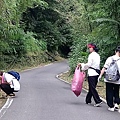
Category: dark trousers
[112,94]
[6,88]
[92,81]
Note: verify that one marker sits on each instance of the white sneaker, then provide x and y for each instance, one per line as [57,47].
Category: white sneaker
[116,106]
[111,109]
[119,110]
[98,104]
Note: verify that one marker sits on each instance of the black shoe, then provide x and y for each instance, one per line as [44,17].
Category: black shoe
[11,95]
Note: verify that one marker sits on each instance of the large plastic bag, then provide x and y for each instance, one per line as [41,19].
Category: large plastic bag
[77,81]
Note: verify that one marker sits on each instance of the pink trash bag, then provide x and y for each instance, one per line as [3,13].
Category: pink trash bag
[77,81]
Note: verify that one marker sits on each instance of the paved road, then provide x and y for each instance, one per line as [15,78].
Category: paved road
[44,97]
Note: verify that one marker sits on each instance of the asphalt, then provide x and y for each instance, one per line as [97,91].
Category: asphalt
[44,97]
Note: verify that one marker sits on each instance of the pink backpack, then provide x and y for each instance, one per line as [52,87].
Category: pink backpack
[77,81]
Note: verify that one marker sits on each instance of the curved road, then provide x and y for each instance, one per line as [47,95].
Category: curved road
[44,97]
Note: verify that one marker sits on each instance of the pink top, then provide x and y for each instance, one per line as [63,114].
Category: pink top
[3,81]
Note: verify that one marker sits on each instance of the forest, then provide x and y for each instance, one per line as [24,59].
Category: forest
[35,31]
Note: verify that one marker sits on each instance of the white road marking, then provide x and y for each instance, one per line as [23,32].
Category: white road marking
[10,100]
[5,107]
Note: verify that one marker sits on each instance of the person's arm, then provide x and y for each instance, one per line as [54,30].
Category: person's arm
[85,66]
[8,78]
[106,65]
[104,68]
[102,72]
[10,83]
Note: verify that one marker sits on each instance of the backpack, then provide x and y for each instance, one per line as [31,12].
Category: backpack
[112,72]
[15,74]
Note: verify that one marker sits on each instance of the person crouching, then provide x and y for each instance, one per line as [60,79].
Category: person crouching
[9,84]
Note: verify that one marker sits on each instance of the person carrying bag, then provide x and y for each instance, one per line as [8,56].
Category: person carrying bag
[93,67]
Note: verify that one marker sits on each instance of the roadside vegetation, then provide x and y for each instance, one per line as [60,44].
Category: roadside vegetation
[35,31]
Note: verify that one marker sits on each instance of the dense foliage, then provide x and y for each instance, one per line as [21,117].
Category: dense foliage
[15,43]
[32,29]
[103,18]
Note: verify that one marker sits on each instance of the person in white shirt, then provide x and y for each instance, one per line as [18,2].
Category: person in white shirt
[93,67]
[9,84]
[112,88]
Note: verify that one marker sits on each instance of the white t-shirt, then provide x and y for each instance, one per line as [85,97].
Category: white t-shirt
[107,64]
[94,62]
[11,79]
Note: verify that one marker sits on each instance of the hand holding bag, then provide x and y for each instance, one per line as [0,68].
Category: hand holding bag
[77,81]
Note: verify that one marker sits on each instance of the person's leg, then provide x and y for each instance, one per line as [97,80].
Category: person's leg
[7,89]
[116,93]
[89,94]
[109,94]
[93,82]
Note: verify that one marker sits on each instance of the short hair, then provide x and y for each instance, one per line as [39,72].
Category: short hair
[117,49]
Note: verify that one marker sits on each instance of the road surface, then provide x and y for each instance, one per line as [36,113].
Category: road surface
[44,97]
